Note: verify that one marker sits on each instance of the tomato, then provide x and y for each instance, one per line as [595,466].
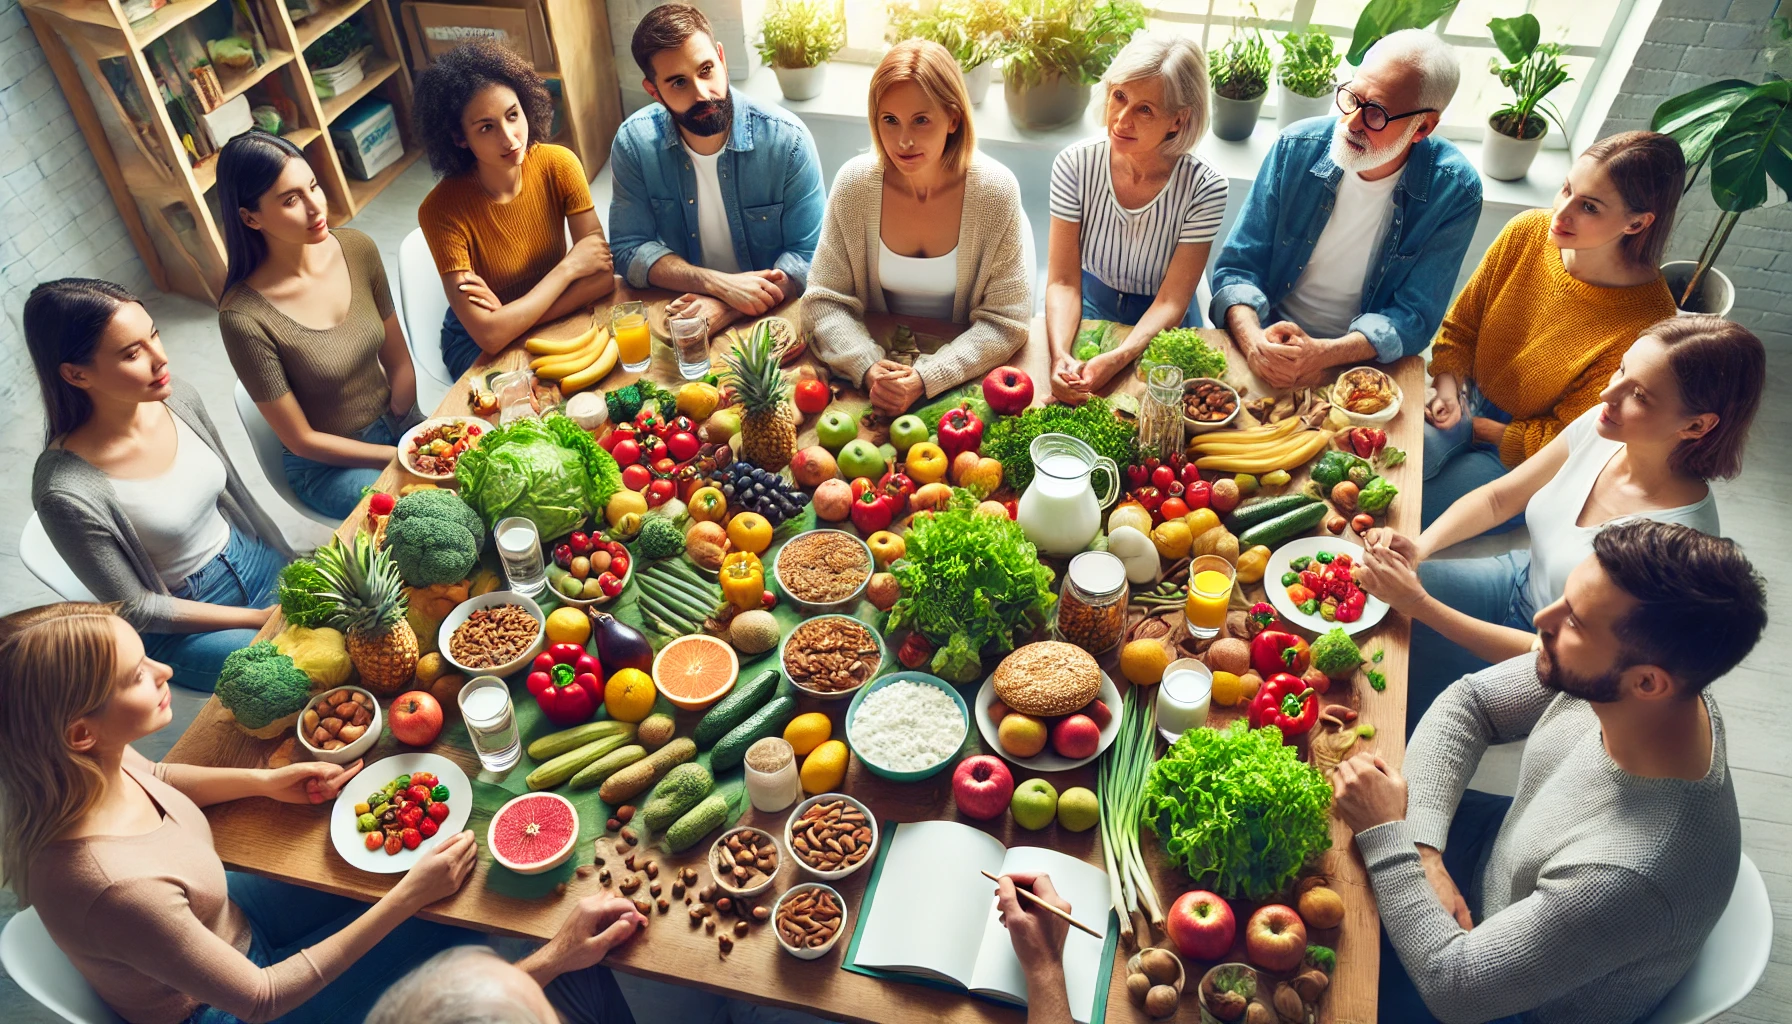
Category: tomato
[410,816]
[427,827]
[1299,594]
[411,838]
[811,397]
[1197,494]
[619,565]
[418,793]
[375,840]
[427,780]
[1172,508]
[395,844]
[438,811]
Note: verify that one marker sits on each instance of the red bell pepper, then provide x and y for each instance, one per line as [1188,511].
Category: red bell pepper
[898,487]
[1286,703]
[873,511]
[569,689]
[1261,617]
[1274,651]
[960,431]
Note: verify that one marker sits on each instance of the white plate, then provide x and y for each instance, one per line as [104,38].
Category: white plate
[1046,760]
[1278,594]
[404,443]
[352,844]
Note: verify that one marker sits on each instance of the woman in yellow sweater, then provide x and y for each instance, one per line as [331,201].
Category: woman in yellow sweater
[1542,324]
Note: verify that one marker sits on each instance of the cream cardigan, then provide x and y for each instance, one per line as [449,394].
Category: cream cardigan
[994,294]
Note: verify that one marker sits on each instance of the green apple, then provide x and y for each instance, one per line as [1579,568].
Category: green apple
[907,431]
[1035,804]
[835,428]
[861,458]
[1078,810]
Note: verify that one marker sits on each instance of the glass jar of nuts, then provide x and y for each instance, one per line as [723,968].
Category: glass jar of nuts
[1092,605]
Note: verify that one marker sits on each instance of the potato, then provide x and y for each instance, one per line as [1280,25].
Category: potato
[1229,654]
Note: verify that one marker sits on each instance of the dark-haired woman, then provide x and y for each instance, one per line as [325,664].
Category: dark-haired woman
[497,221]
[1673,415]
[1542,323]
[308,322]
[134,486]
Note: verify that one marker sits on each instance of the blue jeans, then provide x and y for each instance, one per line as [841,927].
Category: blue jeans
[1472,832]
[1456,463]
[336,490]
[1490,589]
[1103,303]
[459,350]
[246,574]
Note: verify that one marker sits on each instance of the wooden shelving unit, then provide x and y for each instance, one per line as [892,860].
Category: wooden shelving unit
[162,194]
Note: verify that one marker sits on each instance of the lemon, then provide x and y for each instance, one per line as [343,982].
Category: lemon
[622,503]
[806,732]
[1228,689]
[697,400]
[825,767]
[1172,539]
[1201,520]
[568,625]
[1142,662]
[629,695]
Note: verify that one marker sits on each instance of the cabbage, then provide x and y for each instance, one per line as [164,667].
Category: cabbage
[548,471]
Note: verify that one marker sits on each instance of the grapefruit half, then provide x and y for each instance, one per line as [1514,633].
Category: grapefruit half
[533,833]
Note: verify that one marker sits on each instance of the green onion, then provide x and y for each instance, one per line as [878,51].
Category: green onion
[1119,786]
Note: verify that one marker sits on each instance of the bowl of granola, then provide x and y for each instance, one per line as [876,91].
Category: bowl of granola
[823,571]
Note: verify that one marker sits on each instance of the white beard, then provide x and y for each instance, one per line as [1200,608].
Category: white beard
[1372,156]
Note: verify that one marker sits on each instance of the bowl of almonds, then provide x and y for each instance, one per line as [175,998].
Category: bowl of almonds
[340,724]
[831,835]
[809,918]
[744,861]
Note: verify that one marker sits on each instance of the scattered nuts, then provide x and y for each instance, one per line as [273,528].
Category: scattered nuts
[560,890]
[663,905]
[652,869]
[709,925]
[644,906]
[677,889]
[740,928]
[612,824]
[726,943]
[761,913]
[724,904]
[584,871]
[630,884]
[653,888]
[625,813]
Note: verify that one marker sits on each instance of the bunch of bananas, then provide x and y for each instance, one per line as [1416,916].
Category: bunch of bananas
[577,363]
[1282,445]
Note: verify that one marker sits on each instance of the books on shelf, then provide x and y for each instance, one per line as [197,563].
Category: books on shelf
[340,78]
[366,136]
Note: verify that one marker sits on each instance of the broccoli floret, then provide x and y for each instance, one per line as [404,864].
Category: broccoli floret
[660,537]
[261,686]
[435,537]
[437,503]
[1336,654]
[624,402]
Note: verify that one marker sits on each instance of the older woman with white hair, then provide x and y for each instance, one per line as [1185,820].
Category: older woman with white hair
[1134,212]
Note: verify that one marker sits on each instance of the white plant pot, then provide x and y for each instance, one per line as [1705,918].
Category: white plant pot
[976,81]
[1235,120]
[1505,158]
[801,83]
[1716,293]
[1291,106]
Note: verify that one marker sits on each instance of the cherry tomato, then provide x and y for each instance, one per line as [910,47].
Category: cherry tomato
[1172,508]
[427,827]
[610,584]
[619,565]
[411,838]
[1197,493]
[769,600]
[438,811]
[395,844]
[427,780]
[417,793]
[375,840]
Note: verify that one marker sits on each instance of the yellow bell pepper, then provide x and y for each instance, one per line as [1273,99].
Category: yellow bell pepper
[743,580]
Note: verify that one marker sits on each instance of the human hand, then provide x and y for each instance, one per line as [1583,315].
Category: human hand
[439,873]
[751,293]
[596,925]
[1103,368]
[1389,570]
[1445,886]
[1037,935]
[1488,430]
[477,292]
[718,313]
[307,782]
[1293,356]
[1445,408]
[588,256]
[1066,380]
[893,387]
[1367,793]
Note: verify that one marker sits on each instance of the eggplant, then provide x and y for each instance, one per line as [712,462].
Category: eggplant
[619,645]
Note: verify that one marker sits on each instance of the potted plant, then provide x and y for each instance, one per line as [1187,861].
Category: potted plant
[796,38]
[1515,131]
[1057,50]
[1307,78]
[1381,17]
[972,30]
[1240,74]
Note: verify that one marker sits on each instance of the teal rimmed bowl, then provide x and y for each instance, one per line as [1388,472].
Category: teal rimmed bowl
[852,714]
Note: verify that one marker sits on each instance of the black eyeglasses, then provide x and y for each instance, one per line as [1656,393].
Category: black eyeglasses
[1375,116]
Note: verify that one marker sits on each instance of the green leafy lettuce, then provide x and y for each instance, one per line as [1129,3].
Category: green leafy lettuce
[549,471]
[1237,809]
[300,585]
[1183,348]
[1007,439]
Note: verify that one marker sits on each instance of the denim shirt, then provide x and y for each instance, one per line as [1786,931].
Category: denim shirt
[1436,206]
[771,186]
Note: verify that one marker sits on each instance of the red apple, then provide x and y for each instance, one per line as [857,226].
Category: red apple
[1275,938]
[416,718]
[1008,390]
[1202,926]
[982,787]
[1099,712]
[1076,736]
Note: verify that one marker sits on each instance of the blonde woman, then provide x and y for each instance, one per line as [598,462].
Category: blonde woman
[117,856]
[1134,212]
[922,226]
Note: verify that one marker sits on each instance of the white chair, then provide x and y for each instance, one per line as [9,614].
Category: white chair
[421,307]
[1733,960]
[268,452]
[44,562]
[32,959]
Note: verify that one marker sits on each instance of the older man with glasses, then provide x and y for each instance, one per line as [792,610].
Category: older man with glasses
[1347,248]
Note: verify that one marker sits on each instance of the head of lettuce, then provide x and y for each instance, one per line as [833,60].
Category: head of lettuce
[549,471]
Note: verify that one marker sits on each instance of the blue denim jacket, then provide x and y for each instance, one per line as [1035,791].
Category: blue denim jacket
[771,186]
[1436,206]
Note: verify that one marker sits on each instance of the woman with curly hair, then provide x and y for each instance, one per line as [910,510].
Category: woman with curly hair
[496,222]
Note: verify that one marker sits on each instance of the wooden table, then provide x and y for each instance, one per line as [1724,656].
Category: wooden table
[292,843]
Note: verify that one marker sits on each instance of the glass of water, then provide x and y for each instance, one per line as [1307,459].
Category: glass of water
[519,547]
[491,722]
[690,340]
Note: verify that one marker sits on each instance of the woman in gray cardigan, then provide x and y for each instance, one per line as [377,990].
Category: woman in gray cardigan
[924,227]
[135,489]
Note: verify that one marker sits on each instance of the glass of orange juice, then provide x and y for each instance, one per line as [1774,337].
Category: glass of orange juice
[1209,594]
[634,343]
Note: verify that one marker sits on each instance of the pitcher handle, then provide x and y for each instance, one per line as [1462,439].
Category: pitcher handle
[1113,488]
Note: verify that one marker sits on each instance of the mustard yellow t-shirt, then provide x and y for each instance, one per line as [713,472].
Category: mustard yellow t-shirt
[513,245]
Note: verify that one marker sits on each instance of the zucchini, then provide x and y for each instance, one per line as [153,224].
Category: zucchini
[733,709]
[683,788]
[632,781]
[1262,510]
[597,771]
[556,743]
[1284,527]
[710,814]
[567,765]
[767,721]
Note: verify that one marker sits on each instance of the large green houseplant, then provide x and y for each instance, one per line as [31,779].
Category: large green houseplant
[1307,77]
[1059,49]
[973,31]
[1515,131]
[796,38]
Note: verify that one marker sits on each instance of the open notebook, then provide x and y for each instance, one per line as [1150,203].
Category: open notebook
[929,916]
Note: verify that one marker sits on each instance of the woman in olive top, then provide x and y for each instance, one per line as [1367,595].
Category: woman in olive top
[308,323]
[497,221]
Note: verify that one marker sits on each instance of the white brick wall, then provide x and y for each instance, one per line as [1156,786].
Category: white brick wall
[59,218]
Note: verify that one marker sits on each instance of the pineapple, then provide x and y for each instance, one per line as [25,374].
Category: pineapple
[365,584]
[767,435]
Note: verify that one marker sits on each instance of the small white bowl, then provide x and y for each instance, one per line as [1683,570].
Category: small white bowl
[1196,426]
[409,439]
[810,952]
[796,815]
[348,753]
[756,888]
[492,600]
[1373,419]
[883,655]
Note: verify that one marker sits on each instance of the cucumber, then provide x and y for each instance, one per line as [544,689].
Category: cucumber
[568,764]
[634,780]
[682,789]
[733,709]
[1284,527]
[710,814]
[767,721]
[597,771]
[1262,510]
[556,743]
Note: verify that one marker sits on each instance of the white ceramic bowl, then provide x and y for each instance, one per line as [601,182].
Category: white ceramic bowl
[1196,426]
[492,600]
[551,863]
[810,952]
[845,604]
[409,439]
[883,655]
[1374,419]
[349,752]
[796,814]
[757,887]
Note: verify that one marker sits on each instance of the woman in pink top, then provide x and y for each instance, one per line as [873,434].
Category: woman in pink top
[117,857]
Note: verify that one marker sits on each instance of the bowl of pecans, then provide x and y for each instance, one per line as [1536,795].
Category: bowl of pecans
[1208,404]
[340,724]
[744,861]
[829,657]
[823,571]
[494,634]
[831,835]
[808,919]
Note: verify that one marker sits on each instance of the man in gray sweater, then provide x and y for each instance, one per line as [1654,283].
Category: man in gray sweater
[1613,862]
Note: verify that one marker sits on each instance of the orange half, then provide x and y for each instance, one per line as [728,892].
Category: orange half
[695,671]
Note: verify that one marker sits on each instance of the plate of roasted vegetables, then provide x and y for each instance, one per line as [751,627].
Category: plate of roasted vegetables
[431,448]
[395,809]
[1312,583]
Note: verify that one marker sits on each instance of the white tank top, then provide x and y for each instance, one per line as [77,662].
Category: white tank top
[918,286]
[176,513]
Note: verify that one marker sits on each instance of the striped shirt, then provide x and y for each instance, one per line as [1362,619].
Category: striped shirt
[1130,250]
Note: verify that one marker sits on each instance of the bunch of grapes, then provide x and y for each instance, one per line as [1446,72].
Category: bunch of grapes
[751,488]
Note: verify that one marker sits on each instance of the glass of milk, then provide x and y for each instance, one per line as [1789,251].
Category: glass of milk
[519,547]
[1183,698]
[491,722]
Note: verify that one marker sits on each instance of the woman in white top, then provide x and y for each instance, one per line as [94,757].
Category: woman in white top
[1674,416]
[1134,213]
[924,227]
[134,487]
